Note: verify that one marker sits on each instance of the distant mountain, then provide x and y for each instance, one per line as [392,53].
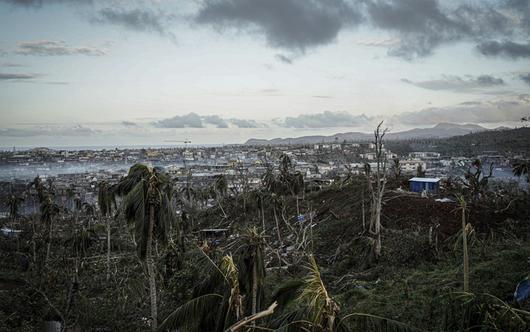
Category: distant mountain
[441,130]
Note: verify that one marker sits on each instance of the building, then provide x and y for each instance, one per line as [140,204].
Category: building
[411,166]
[419,185]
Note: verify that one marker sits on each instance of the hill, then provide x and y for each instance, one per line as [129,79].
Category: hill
[505,141]
[441,130]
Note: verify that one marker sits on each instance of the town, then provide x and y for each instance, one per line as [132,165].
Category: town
[320,164]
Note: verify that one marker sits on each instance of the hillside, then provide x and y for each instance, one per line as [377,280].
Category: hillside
[441,130]
[506,141]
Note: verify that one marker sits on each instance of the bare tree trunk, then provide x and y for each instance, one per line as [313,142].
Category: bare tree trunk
[49,244]
[363,212]
[254,287]
[33,245]
[108,249]
[466,254]
[151,269]
[262,215]
[377,229]
[277,225]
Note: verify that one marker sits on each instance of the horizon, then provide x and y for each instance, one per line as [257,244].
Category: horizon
[141,72]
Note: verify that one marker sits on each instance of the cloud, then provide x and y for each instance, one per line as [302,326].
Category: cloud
[294,25]
[423,25]
[55,48]
[326,119]
[525,78]
[505,48]
[495,111]
[13,76]
[191,120]
[215,120]
[243,123]
[145,19]
[48,131]
[458,84]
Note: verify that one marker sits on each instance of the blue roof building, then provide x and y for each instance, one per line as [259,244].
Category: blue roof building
[418,185]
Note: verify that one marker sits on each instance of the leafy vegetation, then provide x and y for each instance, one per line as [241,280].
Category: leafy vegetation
[291,259]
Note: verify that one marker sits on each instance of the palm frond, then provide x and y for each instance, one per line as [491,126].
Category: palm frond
[191,314]
[288,291]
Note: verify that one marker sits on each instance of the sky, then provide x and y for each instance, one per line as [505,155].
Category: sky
[126,72]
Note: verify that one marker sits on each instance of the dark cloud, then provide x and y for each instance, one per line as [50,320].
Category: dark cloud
[459,84]
[13,76]
[505,48]
[326,119]
[55,48]
[288,24]
[525,78]
[423,25]
[496,111]
[144,19]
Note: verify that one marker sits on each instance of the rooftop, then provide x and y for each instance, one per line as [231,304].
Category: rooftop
[424,180]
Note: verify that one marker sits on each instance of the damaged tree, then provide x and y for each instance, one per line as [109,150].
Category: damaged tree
[376,186]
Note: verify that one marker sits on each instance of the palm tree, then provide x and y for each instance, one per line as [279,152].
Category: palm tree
[521,168]
[147,206]
[105,201]
[220,188]
[49,210]
[315,309]
[249,251]
[219,304]
[13,202]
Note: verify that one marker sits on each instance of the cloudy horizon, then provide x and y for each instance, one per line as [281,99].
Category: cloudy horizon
[145,72]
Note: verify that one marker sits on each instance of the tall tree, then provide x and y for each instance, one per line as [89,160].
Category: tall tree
[250,257]
[105,202]
[48,211]
[147,206]
[377,179]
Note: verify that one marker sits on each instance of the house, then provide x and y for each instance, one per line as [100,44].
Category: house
[411,166]
[419,185]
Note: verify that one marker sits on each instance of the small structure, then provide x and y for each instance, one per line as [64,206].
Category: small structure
[419,185]
[212,233]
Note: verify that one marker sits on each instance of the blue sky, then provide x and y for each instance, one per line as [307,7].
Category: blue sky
[82,72]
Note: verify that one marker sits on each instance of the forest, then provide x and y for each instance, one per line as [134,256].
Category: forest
[360,254]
